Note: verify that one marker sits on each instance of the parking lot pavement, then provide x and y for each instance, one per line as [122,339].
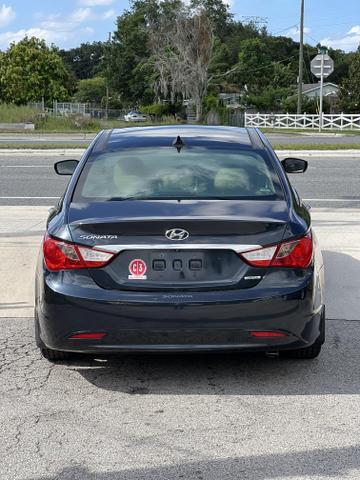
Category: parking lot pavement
[179,417]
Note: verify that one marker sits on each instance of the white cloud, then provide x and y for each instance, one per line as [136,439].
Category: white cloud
[108,14]
[354,30]
[94,3]
[349,42]
[8,37]
[294,32]
[7,15]
[80,15]
[54,28]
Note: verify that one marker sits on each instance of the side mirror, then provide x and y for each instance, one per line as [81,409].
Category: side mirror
[294,165]
[66,167]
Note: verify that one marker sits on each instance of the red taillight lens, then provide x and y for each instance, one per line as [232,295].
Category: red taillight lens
[88,336]
[60,255]
[260,334]
[296,254]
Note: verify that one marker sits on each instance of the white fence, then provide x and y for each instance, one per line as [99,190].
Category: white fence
[339,121]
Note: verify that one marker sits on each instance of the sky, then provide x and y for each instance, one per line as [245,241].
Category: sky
[67,23]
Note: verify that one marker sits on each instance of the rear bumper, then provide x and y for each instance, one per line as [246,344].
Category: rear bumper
[182,321]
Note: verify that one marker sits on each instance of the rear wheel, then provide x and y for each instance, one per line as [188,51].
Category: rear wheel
[55,355]
[303,353]
[313,350]
[51,355]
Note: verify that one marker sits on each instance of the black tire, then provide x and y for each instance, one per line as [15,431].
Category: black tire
[38,340]
[51,355]
[313,350]
[303,353]
[55,355]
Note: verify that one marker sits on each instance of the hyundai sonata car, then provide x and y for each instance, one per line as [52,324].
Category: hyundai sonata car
[179,239]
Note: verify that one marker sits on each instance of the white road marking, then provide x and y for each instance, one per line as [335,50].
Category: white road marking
[26,198]
[26,166]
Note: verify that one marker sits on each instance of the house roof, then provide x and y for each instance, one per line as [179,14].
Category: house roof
[308,87]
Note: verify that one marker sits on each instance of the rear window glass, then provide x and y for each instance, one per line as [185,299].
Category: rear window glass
[163,173]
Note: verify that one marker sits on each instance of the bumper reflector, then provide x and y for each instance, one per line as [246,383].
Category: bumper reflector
[260,334]
[88,336]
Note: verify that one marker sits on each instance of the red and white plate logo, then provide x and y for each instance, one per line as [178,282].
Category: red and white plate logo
[137,269]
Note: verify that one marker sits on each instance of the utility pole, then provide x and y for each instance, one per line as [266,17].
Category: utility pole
[107,88]
[301,58]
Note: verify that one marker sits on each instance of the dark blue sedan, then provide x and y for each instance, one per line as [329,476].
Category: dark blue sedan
[179,238]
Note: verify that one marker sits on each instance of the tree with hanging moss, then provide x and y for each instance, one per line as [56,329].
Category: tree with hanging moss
[181,46]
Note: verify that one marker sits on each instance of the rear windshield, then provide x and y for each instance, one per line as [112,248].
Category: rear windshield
[163,173]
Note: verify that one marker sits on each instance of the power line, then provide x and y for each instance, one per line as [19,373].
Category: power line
[255,69]
[312,38]
[296,25]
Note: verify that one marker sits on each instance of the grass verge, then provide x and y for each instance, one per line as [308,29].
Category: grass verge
[316,146]
[298,131]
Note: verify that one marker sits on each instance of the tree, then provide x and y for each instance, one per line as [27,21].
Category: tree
[350,88]
[255,67]
[127,66]
[84,61]
[91,90]
[218,13]
[30,70]
[182,48]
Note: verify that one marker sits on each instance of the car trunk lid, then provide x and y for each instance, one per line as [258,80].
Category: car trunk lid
[208,258]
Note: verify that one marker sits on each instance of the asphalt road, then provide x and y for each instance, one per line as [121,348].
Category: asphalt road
[227,417]
[83,139]
[35,139]
[32,181]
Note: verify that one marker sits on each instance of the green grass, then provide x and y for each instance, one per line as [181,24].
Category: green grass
[66,125]
[316,146]
[297,131]
[71,124]
[17,114]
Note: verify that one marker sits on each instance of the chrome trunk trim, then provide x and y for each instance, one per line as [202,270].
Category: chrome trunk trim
[238,248]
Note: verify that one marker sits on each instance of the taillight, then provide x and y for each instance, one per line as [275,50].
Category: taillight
[60,255]
[296,253]
[261,334]
[88,336]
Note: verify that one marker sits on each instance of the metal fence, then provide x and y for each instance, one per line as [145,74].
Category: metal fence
[339,121]
[61,108]
[66,109]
